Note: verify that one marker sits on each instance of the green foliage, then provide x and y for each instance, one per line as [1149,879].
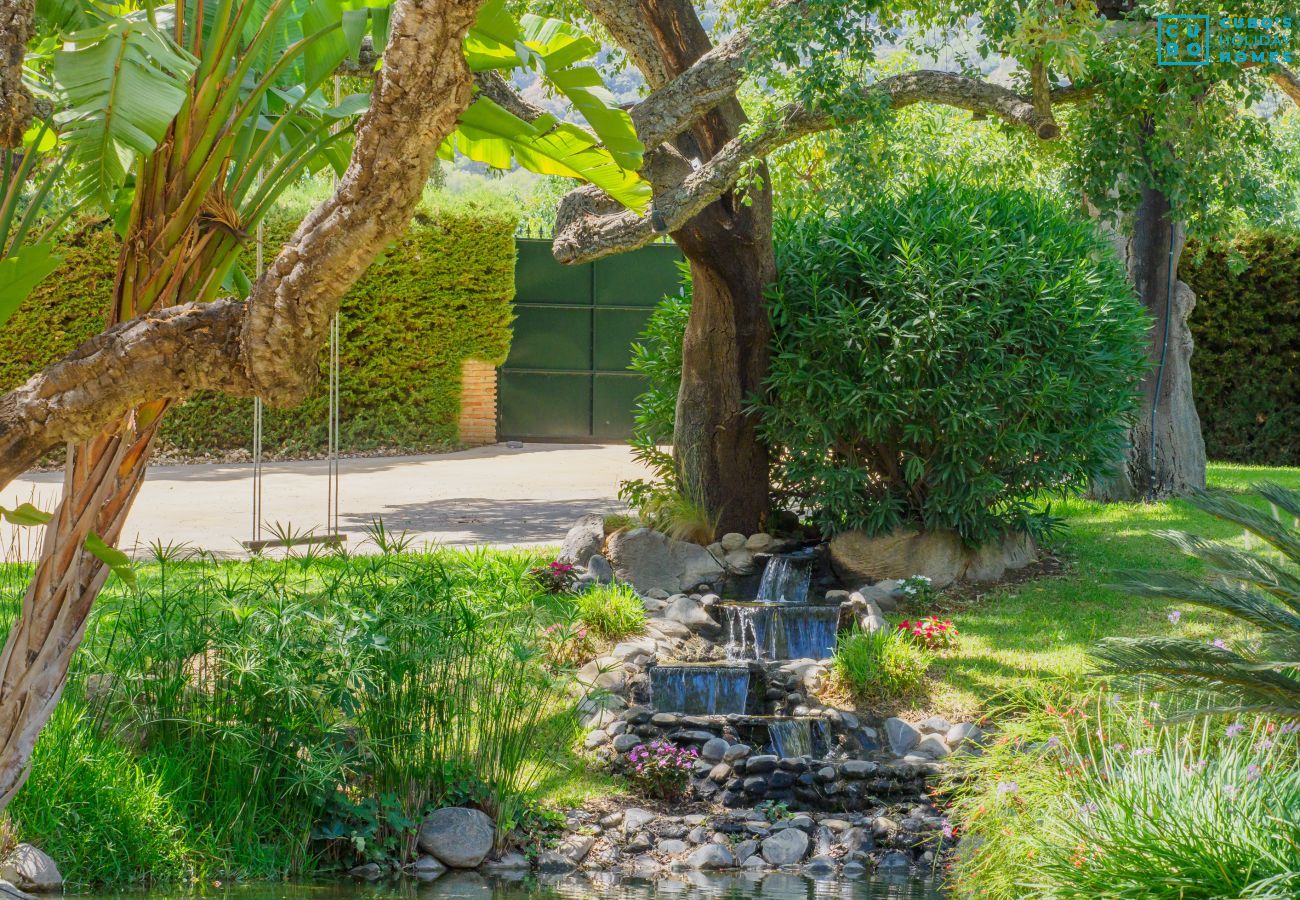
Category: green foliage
[1095,800]
[270,718]
[440,296]
[943,356]
[611,611]
[882,664]
[1262,589]
[1246,368]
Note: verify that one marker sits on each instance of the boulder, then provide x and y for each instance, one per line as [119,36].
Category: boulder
[902,736]
[940,555]
[964,733]
[605,673]
[458,837]
[739,562]
[714,749]
[689,612]
[9,892]
[760,543]
[904,552]
[599,569]
[711,856]
[650,560]
[785,848]
[586,537]
[932,746]
[30,869]
[568,856]
[935,725]
[733,541]
[633,647]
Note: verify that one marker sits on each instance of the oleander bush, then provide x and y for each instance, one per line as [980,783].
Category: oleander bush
[944,356]
[1246,325]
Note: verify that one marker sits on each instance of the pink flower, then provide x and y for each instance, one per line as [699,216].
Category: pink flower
[1234,729]
[1253,772]
[1175,616]
[1218,642]
[1144,751]
[1008,787]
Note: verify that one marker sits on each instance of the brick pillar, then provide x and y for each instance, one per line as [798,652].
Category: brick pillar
[478,403]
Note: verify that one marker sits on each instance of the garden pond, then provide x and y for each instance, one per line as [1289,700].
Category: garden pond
[767,886]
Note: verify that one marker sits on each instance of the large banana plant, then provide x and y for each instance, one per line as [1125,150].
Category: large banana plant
[27,249]
[1261,588]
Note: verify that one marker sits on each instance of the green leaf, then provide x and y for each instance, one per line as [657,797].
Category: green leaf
[489,134]
[494,41]
[122,83]
[115,559]
[23,269]
[25,515]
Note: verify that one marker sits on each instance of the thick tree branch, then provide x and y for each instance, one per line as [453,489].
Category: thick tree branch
[15,99]
[269,345]
[1289,81]
[584,232]
[494,86]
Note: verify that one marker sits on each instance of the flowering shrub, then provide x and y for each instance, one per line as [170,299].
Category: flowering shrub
[931,632]
[661,768]
[918,589]
[555,577]
[567,643]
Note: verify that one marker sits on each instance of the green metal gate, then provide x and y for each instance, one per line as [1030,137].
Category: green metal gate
[566,377]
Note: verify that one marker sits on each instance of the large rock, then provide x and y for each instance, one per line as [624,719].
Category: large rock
[690,612]
[600,570]
[711,856]
[939,555]
[457,837]
[785,848]
[586,538]
[650,560]
[902,736]
[30,869]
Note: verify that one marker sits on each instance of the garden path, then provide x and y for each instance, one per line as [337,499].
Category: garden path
[502,495]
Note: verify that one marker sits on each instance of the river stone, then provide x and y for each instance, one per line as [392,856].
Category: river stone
[711,856]
[735,752]
[932,746]
[902,736]
[714,749]
[633,647]
[940,555]
[760,543]
[635,819]
[585,538]
[785,848]
[604,672]
[460,838]
[963,733]
[650,560]
[625,742]
[428,868]
[739,562]
[595,739]
[934,725]
[672,847]
[820,866]
[733,540]
[895,861]
[366,872]
[30,869]
[508,863]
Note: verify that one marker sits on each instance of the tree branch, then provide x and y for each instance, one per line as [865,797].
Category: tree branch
[269,345]
[1289,81]
[15,99]
[586,230]
[494,86]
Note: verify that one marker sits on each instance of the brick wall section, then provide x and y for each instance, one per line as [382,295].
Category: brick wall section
[478,403]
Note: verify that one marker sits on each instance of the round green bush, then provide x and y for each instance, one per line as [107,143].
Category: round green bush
[944,356]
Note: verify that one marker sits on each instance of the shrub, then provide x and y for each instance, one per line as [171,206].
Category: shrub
[943,356]
[874,665]
[931,632]
[555,577]
[1246,325]
[1099,801]
[661,768]
[1262,590]
[612,611]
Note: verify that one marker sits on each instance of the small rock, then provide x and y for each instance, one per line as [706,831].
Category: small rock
[935,725]
[759,765]
[902,736]
[963,733]
[858,768]
[760,543]
[625,742]
[739,562]
[932,746]
[711,856]
[366,872]
[754,861]
[585,538]
[732,541]
[640,842]
[735,752]
[895,861]
[820,866]
[714,749]
[459,837]
[785,848]
[672,847]
[505,863]
[690,613]
[30,869]
[599,568]
[595,739]
[745,849]
[636,818]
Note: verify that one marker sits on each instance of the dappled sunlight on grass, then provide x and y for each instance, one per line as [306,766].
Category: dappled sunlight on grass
[1043,629]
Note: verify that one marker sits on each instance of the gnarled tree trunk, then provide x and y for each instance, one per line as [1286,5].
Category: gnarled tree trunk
[1166,453]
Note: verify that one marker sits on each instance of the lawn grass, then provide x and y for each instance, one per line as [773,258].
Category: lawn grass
[1025,637]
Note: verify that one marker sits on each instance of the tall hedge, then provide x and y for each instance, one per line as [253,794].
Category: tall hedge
[440,295]
[1246,367]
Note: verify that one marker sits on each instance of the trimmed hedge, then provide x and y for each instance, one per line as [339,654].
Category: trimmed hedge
[1246,367]
[442,294]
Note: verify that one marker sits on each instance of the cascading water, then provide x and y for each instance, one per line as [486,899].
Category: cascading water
[699,690]
[771,631]
[786,578]
[799,737]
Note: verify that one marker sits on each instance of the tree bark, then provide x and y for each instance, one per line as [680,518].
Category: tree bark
[15,99]
[1166,453]
[107,398]
[722,465]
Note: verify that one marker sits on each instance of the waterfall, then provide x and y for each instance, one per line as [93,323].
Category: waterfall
[771,631]
[786,578]
[699,690]
[790,737]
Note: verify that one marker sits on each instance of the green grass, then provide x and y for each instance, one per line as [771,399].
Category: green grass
[1038,633]
[611,611]
[879,664]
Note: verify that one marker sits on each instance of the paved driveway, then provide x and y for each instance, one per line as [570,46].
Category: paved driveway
[489,495]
